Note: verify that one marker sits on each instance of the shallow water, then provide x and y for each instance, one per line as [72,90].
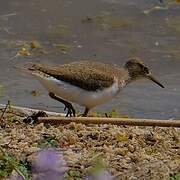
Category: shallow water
[103,30]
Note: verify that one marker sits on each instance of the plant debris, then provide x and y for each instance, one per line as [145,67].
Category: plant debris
[32,119]
[29,49]
[35,93]
[64,48]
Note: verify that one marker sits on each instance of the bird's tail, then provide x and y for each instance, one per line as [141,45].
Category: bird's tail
[29,68]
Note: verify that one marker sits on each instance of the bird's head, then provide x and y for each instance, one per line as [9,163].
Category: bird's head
[137,70]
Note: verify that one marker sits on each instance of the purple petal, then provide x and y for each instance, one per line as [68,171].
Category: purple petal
[49,160]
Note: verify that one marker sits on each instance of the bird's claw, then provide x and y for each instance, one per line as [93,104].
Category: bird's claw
[71,111]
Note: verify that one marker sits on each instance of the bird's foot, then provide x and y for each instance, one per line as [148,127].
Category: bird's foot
[70,110]
[85,112]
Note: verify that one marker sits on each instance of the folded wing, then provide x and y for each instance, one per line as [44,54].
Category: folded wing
[91,76]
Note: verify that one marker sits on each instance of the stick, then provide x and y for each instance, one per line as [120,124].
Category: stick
[115,121]
[95,120]
[7,105]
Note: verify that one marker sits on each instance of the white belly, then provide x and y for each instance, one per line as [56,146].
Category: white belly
[78,95]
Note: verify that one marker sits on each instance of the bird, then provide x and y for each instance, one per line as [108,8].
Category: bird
[88,83]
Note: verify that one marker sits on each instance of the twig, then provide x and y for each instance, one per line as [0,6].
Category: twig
[115,121]
[7,31]
[155,8]
[8,15]
[5,109]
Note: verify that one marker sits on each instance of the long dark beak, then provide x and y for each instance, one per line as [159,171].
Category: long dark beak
[149,76]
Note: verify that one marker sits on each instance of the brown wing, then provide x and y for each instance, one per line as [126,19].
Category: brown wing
[91,76]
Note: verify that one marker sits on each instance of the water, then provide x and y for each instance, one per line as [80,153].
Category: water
[103,30]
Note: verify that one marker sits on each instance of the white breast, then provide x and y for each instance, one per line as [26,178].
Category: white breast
[78,95]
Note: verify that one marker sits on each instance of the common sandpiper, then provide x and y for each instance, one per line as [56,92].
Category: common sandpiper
[88,83]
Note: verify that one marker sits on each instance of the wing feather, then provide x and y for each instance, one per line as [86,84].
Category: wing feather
[91,76]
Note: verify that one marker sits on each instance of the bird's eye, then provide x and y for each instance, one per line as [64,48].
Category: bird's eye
[146,70]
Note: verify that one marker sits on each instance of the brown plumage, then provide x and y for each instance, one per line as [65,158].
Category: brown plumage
[91,76]
[88,83]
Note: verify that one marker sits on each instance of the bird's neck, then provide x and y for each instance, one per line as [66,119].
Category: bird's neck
[130,78]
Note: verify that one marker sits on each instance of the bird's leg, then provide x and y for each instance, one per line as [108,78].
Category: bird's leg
[71,110]
[85,112]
